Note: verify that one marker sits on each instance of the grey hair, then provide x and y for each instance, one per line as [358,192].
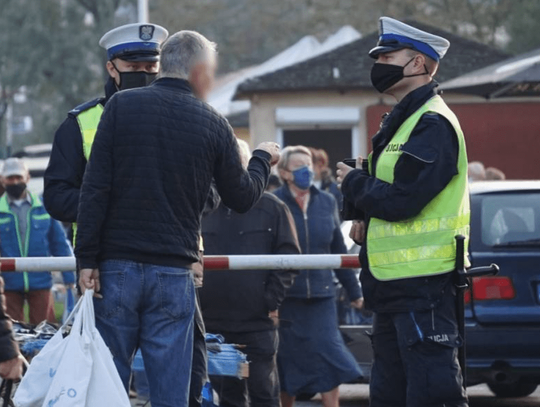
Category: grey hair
[182,51]
[285,158]
[477,171]
[245,152]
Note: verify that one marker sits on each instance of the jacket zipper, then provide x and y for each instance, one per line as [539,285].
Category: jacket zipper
[23,250]
[306,229]
[26,245]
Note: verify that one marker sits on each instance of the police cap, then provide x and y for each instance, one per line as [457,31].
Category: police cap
[395,35]
[134,42]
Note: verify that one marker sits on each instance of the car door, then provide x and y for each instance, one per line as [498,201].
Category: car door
[505,229]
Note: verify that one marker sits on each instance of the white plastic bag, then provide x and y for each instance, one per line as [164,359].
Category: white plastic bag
[85,375]
[70,382]
[37,380]
[69,303]
[105,387]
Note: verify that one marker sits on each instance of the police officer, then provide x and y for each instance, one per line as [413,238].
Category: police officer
[133,52]
[411,199]
[133,61]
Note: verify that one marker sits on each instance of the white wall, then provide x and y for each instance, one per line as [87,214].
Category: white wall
[263,124]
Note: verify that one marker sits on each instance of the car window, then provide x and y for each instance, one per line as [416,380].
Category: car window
[510,219]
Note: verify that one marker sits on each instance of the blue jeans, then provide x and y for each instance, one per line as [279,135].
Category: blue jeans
[150,307]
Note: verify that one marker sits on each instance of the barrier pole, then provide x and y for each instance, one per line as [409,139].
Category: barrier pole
[248,262]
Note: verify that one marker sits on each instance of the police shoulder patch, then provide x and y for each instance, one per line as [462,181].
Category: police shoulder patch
[85,106]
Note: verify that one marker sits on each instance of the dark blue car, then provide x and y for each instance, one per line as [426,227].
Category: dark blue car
[502,312]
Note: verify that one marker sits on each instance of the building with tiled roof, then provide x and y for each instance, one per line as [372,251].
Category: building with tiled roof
[328,102]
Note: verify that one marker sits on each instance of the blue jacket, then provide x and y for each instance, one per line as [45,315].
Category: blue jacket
[45,237]
[319,233]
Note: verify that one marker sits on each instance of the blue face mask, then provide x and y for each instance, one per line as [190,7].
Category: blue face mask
[303,177]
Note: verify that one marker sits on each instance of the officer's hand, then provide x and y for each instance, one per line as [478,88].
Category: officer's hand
[89,280]
[358,304]
[12,369]
[358,232]
[272,148]
[344,169]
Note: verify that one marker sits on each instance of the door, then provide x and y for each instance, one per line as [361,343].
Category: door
[337,142]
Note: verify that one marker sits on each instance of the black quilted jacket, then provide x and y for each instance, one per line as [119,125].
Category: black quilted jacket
[149,174]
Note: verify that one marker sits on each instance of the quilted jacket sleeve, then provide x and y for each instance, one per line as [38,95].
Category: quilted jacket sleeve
[239,189]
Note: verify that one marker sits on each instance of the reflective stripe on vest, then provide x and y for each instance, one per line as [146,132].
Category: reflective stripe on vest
[88,124]
[425,244]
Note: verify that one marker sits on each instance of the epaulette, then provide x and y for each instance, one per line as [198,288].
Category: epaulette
[85,106]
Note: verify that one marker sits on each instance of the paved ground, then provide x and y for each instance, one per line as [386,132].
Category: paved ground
[480,396]
[358,396]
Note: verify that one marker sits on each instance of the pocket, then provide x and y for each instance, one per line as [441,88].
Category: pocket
[443,375]
[6,225]
[41,221]
[432,356]
[263,236]
[112,280]
[177,293]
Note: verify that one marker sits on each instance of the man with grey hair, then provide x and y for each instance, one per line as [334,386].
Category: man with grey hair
[155,154]
[190,56]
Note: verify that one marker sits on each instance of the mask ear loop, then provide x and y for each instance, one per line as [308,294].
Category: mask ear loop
[119,76]
[418,74]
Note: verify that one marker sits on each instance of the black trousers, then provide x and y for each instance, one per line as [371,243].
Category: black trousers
[261,389]
[199,375]
[416,358]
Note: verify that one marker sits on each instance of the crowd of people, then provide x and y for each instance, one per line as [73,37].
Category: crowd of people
[152,177]
[478,172]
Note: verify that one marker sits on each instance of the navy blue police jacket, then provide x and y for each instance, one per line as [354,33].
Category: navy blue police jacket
[64,175]
[419,176]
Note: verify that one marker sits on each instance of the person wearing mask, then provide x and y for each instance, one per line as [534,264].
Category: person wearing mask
[412,197]
[155,155]
[242,306]
[312,355]
[133,61]
[27,230]
[133,53]
[11,361]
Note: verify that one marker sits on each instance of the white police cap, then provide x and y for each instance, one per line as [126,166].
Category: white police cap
[134,42]
[395,35]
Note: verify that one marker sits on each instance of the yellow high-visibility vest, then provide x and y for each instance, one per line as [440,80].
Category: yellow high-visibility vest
[424,245]
[88,124]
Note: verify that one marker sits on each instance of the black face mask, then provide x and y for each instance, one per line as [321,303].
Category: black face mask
[384,76]
[132,80]
[16,190]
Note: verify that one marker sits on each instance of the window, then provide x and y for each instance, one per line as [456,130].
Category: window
[511,219]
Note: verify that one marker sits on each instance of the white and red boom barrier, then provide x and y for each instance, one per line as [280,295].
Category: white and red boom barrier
[248,262]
